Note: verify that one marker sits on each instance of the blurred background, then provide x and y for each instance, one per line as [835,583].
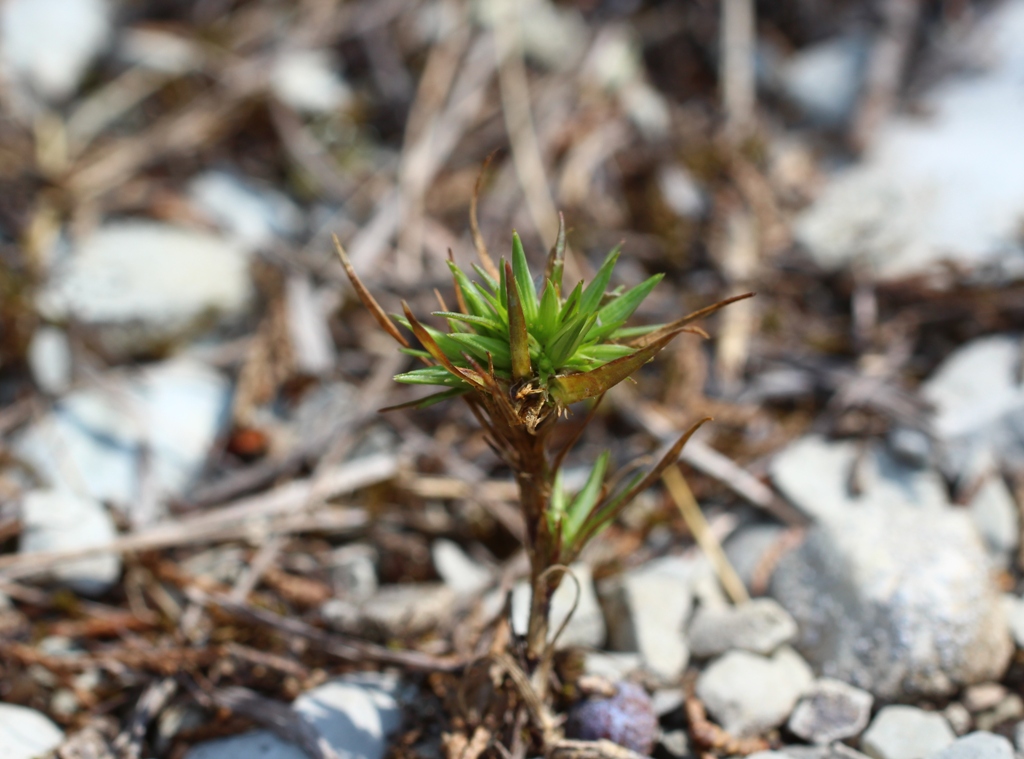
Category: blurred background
[178,340]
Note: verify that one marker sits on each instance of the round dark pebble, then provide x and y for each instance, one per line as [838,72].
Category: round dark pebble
[627,718]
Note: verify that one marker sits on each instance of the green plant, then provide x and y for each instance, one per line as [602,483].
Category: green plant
[520,355]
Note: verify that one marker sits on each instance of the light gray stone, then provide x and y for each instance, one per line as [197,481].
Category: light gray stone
[354,572]
[459,572]
[49,359]
[906,732]
[747,548]
[48,45]
[910,446]
[824,80]
[25,733]
[831,711]
[978,745]
[896,601]
[586,628]
[309,82]
[251,215]
[815,475]
[142,285]
[1010,709]
[958,717]
[996,516]
[354,714]
[97,439]
[760,626]
[676,743]
[612,666]
[936,187]
[59,520]
[751,694]
[307,312]
[1014,608]
[1018,737]
[979,402]
[647,610]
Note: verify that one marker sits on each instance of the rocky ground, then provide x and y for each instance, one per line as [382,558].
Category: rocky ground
[212,546]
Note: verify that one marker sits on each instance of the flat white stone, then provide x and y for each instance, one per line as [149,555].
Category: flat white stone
[25,733]
[459,572]
[945,186]
[906,732]
[143,284]
[59,520]
[824,80]
[49,44]
[251,215]
[93,439]
[307,81]
[49,359]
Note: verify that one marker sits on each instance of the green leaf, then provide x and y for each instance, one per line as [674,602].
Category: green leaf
[572,303]
[614,314]
[556,504]
[430,375]
[591,298]
[490,281]
[604,352]
[564,344]
[430,400]
[518,337]
[481,346]
[584,502]
[547,314]
[477,306]
[524,280]
[477,321]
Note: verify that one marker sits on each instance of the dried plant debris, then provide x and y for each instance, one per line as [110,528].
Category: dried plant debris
[211,543]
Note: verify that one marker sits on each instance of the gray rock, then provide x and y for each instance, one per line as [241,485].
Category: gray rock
[141,286]
[49,44]
[1010,709]
[586,628]
[979,402]
[983,696]
[896,601]
[910,446]
[459,572]
[354,572]
[681,192]
[25,733]
[393,611]
[49,358]
[354,714]
[824,80]
[995,514]
[309,82]
[96,440]
[747,548]
[815,475]
[1018,737]
[251,215]
[831,751]
[1014,608]
[760,626]
[906,732]
[647,610]
[222,564]
[750,694]
[831,711]
[59,520]
[979,745]
[925,190]
[958,717]
[307,312]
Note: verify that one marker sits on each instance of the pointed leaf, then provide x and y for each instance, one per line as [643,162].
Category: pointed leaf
[547,314]
[482,347]
[367,298]
[481,322]
[604,352]
[475,305]
[430,400]
[615,313]
[628,333]
[572,303]
[675,326]
[569,388]
[564,344]
[556,258]
[490,281]
[614,506]
[591,298]
[524,280]
[434,349]
[583,504]
[429,375]
[518,338]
